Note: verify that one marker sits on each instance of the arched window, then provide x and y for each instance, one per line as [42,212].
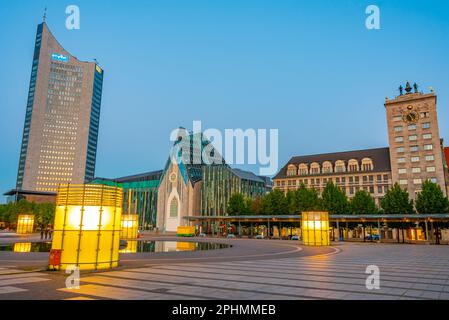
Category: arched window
[291,170]
[327,167]
[340,166]
[314,168]
[367,164]
[303,169]
[353,165]
[174,208]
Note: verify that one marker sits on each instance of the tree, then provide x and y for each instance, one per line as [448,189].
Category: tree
[334,200]
[307,199]
[236,205]
[397,201]
[363,203]
[432,200]
[256,206]
[45,214]
[275,203]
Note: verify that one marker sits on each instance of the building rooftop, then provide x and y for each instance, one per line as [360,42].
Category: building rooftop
[379,156]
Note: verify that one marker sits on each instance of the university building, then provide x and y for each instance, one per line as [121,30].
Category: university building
[187,186]
[59,143]
[415,154]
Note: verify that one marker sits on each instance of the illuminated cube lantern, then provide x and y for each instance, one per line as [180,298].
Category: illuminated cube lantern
[129,225]
[87,226]
[22,247]
[315,228]
[25,224]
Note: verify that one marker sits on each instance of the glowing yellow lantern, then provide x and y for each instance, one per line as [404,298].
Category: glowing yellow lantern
[315,228]
[25,224]
[129,224]
[22,247]
[87,226]
[131,247]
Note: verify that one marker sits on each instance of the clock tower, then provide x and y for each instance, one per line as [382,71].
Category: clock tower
[414,139]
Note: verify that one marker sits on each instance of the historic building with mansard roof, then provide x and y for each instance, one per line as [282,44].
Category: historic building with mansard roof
[415,154]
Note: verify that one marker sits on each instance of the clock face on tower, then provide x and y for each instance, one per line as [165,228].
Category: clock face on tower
[410,116]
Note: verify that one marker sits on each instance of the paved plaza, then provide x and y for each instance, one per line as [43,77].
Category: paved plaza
[251,269]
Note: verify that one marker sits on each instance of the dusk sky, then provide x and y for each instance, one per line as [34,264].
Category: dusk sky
[308,68]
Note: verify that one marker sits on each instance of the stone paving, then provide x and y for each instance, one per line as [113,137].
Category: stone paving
[406,272]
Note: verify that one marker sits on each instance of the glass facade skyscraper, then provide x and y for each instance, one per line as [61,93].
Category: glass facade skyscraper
[59,143]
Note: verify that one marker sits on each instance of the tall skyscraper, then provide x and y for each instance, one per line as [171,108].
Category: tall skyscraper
[59,143]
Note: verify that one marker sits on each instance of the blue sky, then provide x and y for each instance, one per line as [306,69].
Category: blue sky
[308,68]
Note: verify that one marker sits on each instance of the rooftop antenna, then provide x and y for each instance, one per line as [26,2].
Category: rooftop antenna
[44,18]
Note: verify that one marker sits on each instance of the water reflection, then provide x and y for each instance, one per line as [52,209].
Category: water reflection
[132,246]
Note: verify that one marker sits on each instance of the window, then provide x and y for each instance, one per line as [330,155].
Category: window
[402,171]
[401,160]
[417,181]
[314,168]
[424,114]
[426,125]
[434,180]
[430,169]
[327,167]
[351,190]
[413,137]
[371,189]
[414,149]
[174,208]
[427,136]
[400,149]
[399,139]
[303,169]
[367,164]
[340,166]
[385,177]
[291,171]
[416,170]
[379,189]
[379,178]
[430,158]
[278,183]
[428,147]
[415,159]
[398,128]
[365,179]
[353,165]
[397,118]
[412,127]
[403,182]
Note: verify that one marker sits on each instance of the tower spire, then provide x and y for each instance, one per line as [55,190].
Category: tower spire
[44,18]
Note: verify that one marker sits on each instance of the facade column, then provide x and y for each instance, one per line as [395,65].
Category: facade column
[378,228]
[268,232]
[427,230]
[280,230]
[240,229]
[338,230]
